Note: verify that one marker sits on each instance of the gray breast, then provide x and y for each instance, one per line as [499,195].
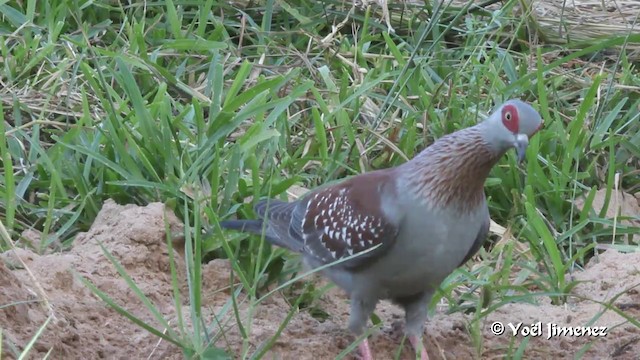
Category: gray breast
[430,245]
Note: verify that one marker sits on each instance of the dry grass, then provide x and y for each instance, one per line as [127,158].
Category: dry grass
[571,21]
[552,21]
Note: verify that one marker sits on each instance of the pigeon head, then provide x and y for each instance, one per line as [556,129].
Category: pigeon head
[511,125]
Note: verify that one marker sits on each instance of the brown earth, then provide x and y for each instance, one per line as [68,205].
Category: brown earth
[83,327]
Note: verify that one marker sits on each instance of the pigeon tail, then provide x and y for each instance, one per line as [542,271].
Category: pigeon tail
[256,227]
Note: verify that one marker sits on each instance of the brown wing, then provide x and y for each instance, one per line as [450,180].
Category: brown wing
[345,220]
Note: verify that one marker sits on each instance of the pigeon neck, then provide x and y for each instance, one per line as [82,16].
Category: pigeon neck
[452,171]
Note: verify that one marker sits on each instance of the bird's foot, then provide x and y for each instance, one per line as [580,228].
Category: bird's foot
[365,350]
[419,347]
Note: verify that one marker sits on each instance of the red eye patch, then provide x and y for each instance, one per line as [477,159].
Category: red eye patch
[510,118]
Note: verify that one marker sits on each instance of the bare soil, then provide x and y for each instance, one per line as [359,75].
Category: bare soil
[84,327]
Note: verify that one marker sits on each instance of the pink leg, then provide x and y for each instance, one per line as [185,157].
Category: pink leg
[419,347]
[365,350]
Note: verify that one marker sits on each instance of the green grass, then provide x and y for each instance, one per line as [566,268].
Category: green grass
[202,105]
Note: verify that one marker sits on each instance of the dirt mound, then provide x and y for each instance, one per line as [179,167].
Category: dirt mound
[83,327]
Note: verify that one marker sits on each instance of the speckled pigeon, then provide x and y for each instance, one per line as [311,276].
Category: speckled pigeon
[403,229]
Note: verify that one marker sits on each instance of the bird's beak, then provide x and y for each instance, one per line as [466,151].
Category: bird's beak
[521,143]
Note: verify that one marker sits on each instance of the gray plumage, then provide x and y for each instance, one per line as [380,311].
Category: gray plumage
[410,226]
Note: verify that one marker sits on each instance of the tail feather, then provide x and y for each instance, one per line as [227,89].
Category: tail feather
[250,226]
[256,227]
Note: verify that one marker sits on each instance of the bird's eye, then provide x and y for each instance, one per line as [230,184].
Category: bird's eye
[507,116]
